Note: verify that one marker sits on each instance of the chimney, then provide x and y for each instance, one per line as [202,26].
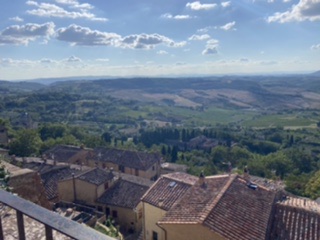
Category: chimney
[202,179]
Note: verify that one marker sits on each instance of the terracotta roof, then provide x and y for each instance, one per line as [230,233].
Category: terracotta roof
[296,218]
[131,159]
[168,189]
[196,204]
[62,153]
[227,206]
[123,194]
[242,213]
[96,176]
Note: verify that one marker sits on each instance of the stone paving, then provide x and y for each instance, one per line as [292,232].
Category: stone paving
[34,230]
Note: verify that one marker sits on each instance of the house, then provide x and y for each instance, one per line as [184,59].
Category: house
[49,173]
[122,202]
[141,164]
[116,195]
[160,198]
[85,187]
[4,139]
[67,154]
[226,207]
[27,184]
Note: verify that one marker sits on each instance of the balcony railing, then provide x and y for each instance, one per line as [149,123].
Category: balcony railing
[50,220]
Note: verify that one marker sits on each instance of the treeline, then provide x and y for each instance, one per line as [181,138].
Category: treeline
[291,156]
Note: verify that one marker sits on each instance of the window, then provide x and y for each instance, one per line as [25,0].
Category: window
[114,214]
[121,168]
[100,209]
[137,172]
[106,185]
[154,235]
[107,211]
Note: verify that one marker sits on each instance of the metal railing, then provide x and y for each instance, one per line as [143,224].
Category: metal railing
[50,220]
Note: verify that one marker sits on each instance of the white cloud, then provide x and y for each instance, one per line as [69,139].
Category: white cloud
[147,41]
[211,47]
[244,60]
[198,6]
[303,11]
[226,4]
[47,61]
[16,19]
[204,30]
[177,17]
[199,37]
[162,52]
[52,10]
[22,35]
[73,59]
[102,60]
[78,35]
[315,47]
[228,26]
[75,4]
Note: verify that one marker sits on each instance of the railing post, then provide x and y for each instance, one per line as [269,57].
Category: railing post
[48,232]
[20,226]
[1,230]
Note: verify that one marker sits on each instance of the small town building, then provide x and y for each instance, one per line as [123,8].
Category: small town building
[225,207]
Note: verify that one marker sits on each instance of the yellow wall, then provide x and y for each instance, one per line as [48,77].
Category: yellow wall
[125,217]
[190,231]
[85,191]
[65,190]
[151,216]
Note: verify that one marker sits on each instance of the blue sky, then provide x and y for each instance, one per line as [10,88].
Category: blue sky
[62,38]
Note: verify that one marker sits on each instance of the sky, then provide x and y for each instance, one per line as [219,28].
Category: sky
[64,38]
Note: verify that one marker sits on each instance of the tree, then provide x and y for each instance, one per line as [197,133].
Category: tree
[313,186]
[26,143]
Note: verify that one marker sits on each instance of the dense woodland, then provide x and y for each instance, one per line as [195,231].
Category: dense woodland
[275,141]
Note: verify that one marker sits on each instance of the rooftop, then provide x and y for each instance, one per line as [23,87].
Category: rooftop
[168,189]
[96,176]
[131,159]
[296,218]
[62,153]
[123,194]
[51,178]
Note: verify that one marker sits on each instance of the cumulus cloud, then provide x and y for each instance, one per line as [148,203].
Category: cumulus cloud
[147,41]
[211,47]
[226,4]
[73,59]
[78,35]
[22,35]
[176,17]
[303,11]
[315,47]
[204,30]
[162,52]
[199,37]
[198,6]
[228,26]
[16,19]
[52,10]
[102,59]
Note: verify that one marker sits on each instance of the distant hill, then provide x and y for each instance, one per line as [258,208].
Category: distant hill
[16,87]
[248,92]
[317,73]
